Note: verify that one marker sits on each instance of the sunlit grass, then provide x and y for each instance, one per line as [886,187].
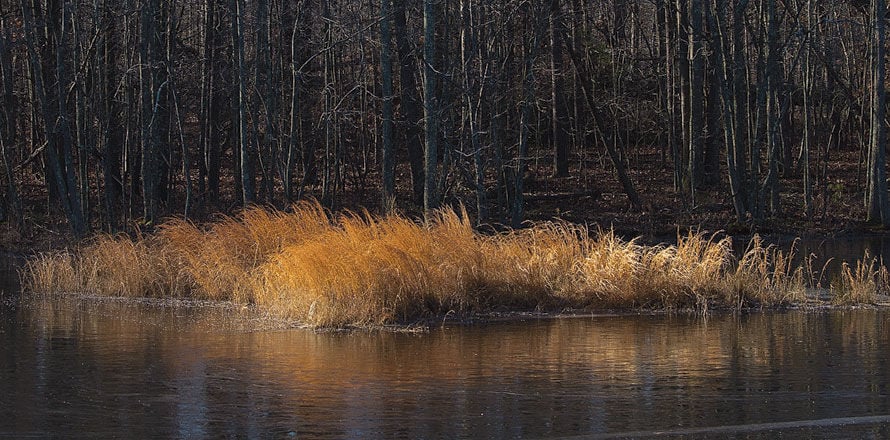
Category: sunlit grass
[48,272]
[862,282]
[768,276]
[219,259]
[311,266]
[111,265]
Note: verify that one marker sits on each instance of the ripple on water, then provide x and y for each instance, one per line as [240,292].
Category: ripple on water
[121,368]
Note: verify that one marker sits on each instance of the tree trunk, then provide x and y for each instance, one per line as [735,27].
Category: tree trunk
[430,109]
[696,85]
[213,103]
[684,86]
[713,139]
[265,99]
[731,127]
[741,116]
[807,141]
[328,181]
[81,132]
[770,191]
[517,208]
[113,128]
[586,80]
[248,193]
[294,134]
[149,85]
[9,125]
[878,210]
[409,103]
[473,87]
[59,160]
[558,112]
[388,163]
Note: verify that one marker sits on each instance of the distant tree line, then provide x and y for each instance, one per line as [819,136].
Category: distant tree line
[137,109]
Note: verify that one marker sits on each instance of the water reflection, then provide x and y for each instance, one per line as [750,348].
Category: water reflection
[119,369]
[826,255]
[9,280]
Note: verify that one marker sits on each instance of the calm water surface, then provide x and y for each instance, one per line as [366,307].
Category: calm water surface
[76,368]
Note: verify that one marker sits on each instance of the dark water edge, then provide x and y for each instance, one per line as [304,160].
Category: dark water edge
[123,369]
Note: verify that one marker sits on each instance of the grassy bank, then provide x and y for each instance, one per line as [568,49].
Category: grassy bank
[324,270]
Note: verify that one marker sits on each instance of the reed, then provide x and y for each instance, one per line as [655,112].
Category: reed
[358,269]
[862,282]
[535,267]
[691,274]
[111,265]
[119,266]
[370,270]
[50,272]
[765,275]
[219,260]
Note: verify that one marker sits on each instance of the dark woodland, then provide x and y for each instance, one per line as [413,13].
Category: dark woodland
[734,114]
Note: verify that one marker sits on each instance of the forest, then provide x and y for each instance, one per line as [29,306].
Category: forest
[125,112]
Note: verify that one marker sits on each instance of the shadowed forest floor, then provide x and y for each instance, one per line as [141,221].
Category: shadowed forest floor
[590,196]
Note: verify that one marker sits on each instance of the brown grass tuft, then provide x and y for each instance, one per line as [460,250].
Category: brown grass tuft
[767,276]
[862,282]
[50,272]
[359,269]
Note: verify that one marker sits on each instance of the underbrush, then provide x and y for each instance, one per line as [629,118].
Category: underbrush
[358,269]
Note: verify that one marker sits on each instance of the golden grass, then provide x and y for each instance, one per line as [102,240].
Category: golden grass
[766,275]
[862,282]
[107,265]
[48,272]
[358,269]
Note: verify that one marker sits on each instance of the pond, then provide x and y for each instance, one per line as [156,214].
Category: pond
[112,368]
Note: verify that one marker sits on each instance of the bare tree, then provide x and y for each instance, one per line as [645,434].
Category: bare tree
[808,72]
[248,192]
[386,141]
[58,151]
[558,115]
[8,123]
[878,210]
[430,108]
[696,120]
[409,100]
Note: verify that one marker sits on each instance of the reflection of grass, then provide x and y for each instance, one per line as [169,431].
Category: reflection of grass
[323,270]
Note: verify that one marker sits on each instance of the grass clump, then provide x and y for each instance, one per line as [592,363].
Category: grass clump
[110,265]
[766,275]
[862,282]
[358,269]
[219,259]
[368,270]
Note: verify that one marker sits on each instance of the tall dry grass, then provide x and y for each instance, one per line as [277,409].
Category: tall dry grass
[373,270]
[861,282]
[111,265]
[219,259]
[766,275]
[357,269]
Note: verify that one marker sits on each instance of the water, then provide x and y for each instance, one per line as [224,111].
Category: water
[830,253]
[109,368]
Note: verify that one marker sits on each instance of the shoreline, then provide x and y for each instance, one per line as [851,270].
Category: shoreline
[260,321]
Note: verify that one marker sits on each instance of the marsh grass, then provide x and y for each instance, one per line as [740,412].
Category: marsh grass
[765,275]
[48,272]
[359,269]
[861,282]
